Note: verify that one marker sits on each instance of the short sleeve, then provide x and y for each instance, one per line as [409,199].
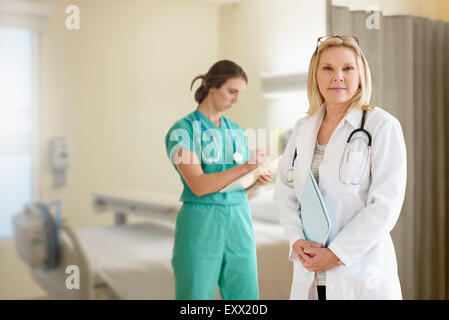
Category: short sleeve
[180,135]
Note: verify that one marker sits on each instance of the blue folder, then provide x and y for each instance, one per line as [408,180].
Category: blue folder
[315,220]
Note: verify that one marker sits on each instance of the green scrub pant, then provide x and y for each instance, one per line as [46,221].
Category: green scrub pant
[214,245]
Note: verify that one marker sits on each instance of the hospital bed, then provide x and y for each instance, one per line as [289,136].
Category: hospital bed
[132,260]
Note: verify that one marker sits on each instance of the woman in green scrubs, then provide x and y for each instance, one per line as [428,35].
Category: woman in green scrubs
[214,238]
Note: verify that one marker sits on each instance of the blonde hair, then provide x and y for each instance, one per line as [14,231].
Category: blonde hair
[363,94]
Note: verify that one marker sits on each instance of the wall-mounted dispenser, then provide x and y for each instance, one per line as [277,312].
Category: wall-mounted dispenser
[60,161]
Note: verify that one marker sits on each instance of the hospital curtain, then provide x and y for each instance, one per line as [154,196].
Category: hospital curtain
[409,61]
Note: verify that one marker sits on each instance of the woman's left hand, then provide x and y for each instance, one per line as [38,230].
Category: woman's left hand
[264,179]
[321,259]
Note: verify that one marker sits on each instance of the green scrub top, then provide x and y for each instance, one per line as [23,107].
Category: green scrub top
[217,143]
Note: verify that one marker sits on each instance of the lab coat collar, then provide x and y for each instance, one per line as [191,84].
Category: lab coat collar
[354,117]
[316,119]
[308,136]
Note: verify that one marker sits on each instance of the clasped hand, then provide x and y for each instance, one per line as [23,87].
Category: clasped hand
[314,257]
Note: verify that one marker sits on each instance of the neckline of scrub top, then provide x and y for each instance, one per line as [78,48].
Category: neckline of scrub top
[210,122]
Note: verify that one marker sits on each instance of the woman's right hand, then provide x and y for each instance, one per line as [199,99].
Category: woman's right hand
[300,245]
[257,158]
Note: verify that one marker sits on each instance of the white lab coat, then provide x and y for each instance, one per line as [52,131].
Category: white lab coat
[362,216]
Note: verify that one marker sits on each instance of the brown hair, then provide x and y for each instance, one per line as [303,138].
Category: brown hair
[218,74]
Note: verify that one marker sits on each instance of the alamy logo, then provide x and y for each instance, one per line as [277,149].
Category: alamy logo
[212,145]
[373,20]
[73,280]
[72,22]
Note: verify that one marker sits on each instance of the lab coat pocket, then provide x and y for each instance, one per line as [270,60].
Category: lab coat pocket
[357,163]
[355,157]
[348,189]
[353,167]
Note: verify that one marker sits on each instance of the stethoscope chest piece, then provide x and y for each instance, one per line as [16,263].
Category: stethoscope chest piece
[354,160]
[290,175]
[237,157]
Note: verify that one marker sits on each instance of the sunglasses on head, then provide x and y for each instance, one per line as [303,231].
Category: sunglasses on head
[344,38]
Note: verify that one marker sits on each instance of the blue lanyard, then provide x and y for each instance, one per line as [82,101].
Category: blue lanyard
[203,128]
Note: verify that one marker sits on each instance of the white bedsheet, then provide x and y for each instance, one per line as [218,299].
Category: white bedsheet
[134,260]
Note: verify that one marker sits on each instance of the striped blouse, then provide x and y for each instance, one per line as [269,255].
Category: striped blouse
[316,162]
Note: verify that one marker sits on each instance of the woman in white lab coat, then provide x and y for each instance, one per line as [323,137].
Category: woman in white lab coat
[362,181]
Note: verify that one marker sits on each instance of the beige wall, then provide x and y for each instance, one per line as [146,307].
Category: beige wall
[115,86]
[270,37]
[433,9]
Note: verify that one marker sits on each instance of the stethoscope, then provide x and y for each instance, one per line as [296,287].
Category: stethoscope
[236,156]
[290,176]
